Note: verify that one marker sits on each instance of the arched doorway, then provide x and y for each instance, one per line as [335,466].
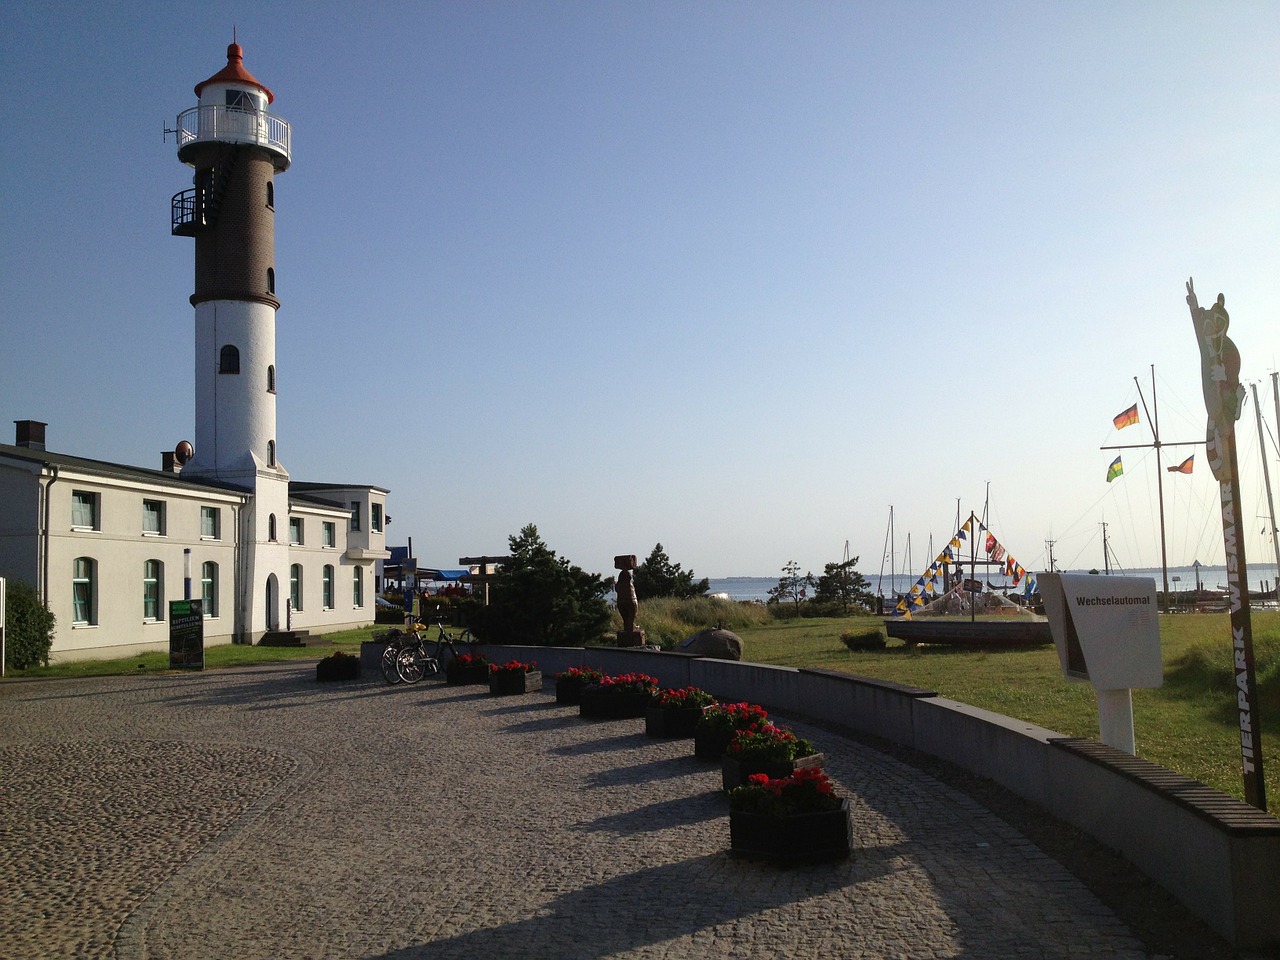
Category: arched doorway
[272,594]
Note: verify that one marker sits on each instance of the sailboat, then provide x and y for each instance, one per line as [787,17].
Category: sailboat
[949,616]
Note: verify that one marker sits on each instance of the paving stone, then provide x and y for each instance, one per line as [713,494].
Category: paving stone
[257,814]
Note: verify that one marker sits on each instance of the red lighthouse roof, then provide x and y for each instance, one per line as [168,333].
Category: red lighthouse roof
[234,72]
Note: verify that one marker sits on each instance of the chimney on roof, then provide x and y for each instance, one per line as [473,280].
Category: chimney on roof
[30,434]
[169,462]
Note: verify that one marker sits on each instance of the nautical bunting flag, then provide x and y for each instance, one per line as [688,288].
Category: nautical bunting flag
[1185,466]
[1115,470]
[1126,419]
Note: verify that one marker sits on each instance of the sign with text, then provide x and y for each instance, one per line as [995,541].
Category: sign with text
[186,634]
[1105,628]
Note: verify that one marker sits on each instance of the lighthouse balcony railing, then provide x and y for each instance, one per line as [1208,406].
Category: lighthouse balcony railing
[185,213]
[225,124]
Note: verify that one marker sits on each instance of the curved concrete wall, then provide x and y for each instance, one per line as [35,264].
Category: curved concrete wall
[1218,856]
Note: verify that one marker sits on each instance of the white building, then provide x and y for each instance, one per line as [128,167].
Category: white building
[108,545]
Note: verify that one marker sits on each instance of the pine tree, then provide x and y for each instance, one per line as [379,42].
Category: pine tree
[659,577]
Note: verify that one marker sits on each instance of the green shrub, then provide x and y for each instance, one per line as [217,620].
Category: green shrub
[859,640]
[28,627]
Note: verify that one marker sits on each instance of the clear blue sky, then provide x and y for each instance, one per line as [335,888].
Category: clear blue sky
[735,277]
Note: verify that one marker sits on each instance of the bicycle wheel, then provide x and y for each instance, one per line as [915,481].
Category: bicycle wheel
[410,666]
[389,658]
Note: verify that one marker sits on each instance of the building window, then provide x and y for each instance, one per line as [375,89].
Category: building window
[271,193]
[210,523]
[355,514]
[229,360]
[326,584]
[271,279]
[330,534]
[84,510]
[271,378]
[245,100]
[209,588]
[357,587]
[271,528]
[295,531]
[295,586]
[153,590]
[271,453]
[153,518]
[84,590]
[376,517]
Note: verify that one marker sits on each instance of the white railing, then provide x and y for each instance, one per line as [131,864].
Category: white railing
[233,125]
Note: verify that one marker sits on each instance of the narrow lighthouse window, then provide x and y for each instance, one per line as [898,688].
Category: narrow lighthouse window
[271,194]
[271,378]
[229,360]
[271,279]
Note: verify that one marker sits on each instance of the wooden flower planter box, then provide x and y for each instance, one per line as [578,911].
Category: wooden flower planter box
[787,841]
[507,683]
[338,668]
[711,744]
[597,705]
[465,674]
[569,692]
[734,773]
[671,724]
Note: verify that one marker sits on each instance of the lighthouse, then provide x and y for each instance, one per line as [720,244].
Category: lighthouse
[237,148]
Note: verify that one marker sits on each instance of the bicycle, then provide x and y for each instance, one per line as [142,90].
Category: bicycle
[398,641]
[415,661]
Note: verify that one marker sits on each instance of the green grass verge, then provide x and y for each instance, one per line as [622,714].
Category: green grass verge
[224,655]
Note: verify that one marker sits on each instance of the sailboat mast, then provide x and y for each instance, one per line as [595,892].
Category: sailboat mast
[1266,478]
[883,553]
[893,557]
[1106,553]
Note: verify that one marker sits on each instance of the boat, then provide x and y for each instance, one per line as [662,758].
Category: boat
[949,615]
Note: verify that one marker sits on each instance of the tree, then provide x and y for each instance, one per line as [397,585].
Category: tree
[841,583]
[28,627]
[659,577]
[792,588]
[539,598]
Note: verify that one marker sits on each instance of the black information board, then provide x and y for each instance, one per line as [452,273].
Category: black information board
[186,634]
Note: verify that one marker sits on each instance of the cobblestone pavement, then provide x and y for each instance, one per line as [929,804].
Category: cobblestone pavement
[256,813]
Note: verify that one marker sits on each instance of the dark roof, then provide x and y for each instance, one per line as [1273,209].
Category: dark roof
[313,487]
[116,470]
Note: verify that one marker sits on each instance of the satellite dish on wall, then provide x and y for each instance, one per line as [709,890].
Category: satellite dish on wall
[183,452]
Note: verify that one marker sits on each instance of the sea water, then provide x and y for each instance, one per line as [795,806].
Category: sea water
[1181,579]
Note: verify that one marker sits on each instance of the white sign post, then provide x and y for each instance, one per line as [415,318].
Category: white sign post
[1107,632]
[2,616]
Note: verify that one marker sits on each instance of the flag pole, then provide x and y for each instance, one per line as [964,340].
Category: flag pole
[1157,444]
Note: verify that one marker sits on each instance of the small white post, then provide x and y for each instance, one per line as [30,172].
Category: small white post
[2,616]
[1115,720]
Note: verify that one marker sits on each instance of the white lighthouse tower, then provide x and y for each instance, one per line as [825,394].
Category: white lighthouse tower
[237,148]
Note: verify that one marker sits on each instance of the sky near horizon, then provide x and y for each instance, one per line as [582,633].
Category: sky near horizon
[732,277]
